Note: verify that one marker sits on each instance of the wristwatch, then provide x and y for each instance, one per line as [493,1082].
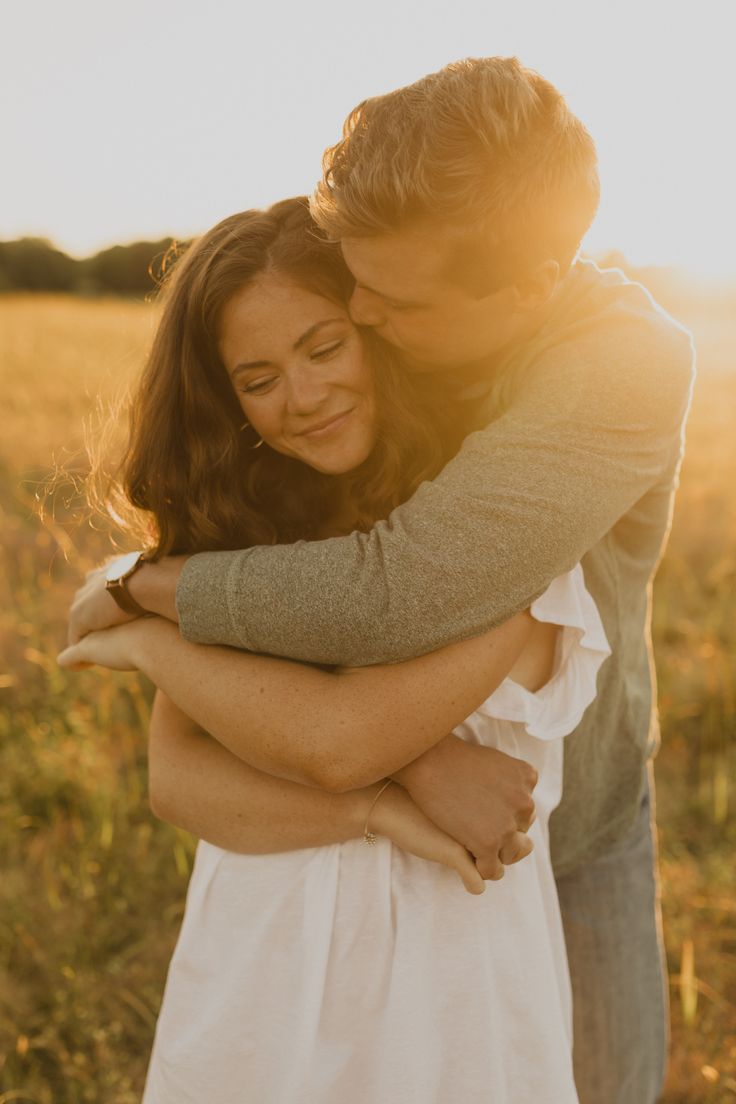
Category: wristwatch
[116,575]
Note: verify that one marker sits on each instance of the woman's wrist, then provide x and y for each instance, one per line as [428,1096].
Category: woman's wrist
[153,586]
[379,808]
[361,807]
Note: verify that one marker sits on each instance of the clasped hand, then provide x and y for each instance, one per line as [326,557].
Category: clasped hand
[478,795]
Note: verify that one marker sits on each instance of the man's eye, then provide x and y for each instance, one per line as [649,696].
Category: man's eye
[325,351]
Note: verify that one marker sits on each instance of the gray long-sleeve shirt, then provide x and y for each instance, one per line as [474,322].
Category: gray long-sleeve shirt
[582,465]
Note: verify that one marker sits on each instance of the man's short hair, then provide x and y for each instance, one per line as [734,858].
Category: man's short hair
[484,146]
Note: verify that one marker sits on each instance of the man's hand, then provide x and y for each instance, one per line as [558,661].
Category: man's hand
[93,609]
[479,796]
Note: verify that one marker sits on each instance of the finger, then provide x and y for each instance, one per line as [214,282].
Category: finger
[470,874]
[75,635]
[516,848]
[511,846]
[71,660]
[524,823]
[491,868]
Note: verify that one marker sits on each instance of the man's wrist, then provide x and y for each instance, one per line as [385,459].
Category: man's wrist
[153,586]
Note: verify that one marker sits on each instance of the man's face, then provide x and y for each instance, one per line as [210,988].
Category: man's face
[401,290]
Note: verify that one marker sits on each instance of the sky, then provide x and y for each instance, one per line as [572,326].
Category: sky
[146,118]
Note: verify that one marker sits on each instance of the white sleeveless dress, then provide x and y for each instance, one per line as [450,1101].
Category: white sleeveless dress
[364,975]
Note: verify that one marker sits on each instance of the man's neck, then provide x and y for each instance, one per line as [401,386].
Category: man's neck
[471,380]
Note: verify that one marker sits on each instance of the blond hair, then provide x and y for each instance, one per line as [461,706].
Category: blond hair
[485,146]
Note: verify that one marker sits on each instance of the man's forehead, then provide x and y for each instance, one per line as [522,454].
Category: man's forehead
[398,265]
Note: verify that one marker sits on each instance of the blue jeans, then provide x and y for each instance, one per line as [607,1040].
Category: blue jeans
[613,930]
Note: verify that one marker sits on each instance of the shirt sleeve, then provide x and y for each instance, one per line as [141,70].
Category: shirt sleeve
[596,422]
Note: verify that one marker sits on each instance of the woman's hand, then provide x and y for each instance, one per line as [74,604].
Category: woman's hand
[397,817]
[93,608]
[153,586]
[115,648]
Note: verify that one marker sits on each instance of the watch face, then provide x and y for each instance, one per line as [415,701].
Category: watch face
[121,566]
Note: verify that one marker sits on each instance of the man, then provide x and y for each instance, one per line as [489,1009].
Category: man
[460,202]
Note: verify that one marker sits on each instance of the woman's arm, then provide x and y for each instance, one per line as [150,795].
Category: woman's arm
[197,784]
[337,730]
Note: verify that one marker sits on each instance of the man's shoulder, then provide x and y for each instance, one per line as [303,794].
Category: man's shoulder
[612,317]
[609,335]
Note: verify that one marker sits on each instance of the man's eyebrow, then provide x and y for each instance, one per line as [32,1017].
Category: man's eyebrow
[296,346]
[389,298]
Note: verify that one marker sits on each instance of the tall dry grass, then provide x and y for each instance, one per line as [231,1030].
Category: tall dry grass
[93,886]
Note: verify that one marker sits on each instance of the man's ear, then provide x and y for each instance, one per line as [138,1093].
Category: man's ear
[535,288]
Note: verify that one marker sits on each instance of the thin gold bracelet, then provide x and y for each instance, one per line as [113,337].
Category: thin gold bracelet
[370,837]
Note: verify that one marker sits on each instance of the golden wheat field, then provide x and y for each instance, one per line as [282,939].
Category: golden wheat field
[92,887]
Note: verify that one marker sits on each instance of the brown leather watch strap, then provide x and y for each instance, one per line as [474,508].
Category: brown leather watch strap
[118,590]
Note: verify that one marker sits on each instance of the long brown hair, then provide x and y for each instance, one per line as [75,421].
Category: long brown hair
[188,467]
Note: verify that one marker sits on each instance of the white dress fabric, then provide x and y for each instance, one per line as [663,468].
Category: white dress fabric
[364,975]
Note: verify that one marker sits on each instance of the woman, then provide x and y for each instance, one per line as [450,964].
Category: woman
[311,967]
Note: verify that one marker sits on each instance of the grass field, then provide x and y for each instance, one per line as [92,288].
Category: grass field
[93,886]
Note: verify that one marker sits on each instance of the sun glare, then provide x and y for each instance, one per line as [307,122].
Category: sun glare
[120,153]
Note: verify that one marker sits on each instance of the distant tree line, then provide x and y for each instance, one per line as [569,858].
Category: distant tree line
[34,264]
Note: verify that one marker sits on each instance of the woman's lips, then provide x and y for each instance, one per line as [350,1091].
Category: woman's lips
[324,429]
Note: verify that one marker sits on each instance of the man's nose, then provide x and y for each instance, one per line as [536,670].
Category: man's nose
[366,308]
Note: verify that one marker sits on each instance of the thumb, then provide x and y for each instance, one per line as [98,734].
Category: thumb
[70,659]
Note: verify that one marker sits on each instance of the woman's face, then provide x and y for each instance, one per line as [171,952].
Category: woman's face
[300,372]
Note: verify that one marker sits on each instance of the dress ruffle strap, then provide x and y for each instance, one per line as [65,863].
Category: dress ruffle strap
[557,708]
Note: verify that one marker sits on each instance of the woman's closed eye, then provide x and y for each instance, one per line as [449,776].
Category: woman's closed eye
[257,387]
[264,383]
[326,350]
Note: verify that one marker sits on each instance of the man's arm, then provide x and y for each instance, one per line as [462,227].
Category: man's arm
[587,436]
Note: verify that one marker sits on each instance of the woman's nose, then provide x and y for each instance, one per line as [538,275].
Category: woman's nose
[366,308]
[307,390]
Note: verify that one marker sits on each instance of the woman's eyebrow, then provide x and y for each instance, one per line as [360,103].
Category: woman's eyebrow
[245,365]
[313,329]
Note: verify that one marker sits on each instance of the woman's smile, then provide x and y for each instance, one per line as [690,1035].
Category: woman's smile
[326,428]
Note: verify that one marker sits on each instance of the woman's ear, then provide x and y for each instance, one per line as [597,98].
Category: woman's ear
[535,288]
